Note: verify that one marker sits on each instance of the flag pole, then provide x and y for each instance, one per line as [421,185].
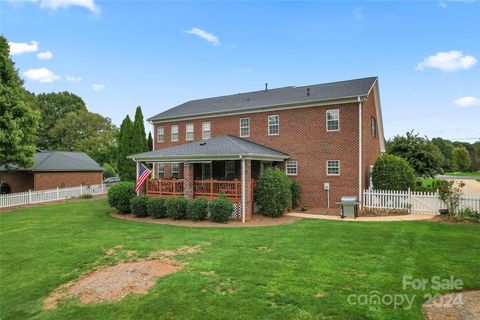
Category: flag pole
[138,168]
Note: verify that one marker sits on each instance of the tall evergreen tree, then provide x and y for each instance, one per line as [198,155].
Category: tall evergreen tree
[126,167]
[150,141]
[139,136]
[18,122]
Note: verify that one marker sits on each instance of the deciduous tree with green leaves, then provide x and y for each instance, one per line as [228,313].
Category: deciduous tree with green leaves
[461,159]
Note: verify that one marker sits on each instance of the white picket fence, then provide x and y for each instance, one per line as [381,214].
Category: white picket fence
[21,198]
[415,202]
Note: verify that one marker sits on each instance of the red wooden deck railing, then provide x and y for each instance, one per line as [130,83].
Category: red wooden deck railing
[165,187]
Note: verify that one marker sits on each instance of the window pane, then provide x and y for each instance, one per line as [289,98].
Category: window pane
[206,130]
[160,170]
[333,120]
[175,170]
[245,127]
[273,124]
[189,135]
[174,133]
[230,170]
[160,134]
[333,167]
[291,167]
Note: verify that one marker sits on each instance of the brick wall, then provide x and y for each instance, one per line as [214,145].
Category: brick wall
[18,181]
[371,144]
[52,180]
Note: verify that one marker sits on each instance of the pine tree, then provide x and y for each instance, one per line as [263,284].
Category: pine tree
[150,141]
[126,167]
[139,136]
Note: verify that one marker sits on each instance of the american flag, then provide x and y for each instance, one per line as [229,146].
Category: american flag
[143,174]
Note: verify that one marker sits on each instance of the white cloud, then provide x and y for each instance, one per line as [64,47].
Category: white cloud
[73,78]
[44,55]
[448,61]
[204,35]
[22,47]
[467,101]
[98,87]
[442,4]
[56,4]
[42,75]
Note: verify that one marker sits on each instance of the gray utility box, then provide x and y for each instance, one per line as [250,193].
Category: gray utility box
[349,206]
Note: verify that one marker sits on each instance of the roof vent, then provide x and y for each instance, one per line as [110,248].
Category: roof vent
[203,143]
[266,86]
[308,91]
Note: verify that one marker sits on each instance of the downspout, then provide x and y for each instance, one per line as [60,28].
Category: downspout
[243,189]
[360,152]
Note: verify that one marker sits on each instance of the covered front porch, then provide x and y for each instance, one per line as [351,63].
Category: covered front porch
[222,165]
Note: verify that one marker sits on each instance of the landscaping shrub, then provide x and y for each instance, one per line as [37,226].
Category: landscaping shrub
[220,209]
[392,173]
[156,207]
[119,196]
[469,214]
[176,207]
[86,196]
[451,193]
[273,192]
[197,209]
[138,206]
[296,188]
[427,185]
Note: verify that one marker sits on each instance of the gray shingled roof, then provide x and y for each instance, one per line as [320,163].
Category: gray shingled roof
[225,147]
[62,161]
[271,97]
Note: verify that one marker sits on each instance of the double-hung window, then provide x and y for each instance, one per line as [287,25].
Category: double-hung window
[206,130]
[175,170]
[160,134]
[273,125]
[333,167]
[333,120]
[189,129]
[206,171]
[244,127]
[174,132]
[291,168]
[160,170]
[230,170]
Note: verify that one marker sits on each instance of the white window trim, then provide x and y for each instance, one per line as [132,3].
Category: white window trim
[234,168]
[187,132]
[177,166]
[326,120]
[158,166]
[268,125]
[296,168]
[163,134]
[171,132]
[203,130]
[248,135]
[333,174]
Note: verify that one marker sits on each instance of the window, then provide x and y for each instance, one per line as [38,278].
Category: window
[291,168]
[333,120]
[230,170]
[160,134]
[273,125]
[174,133]
[175,170]
[333,167]
[244,127]
[206,171]
[189,135]
[160,170]
[206,130]
[373,125]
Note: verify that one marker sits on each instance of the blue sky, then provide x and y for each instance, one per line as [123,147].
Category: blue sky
[120,54]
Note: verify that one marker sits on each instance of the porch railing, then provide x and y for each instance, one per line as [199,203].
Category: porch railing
[165,187]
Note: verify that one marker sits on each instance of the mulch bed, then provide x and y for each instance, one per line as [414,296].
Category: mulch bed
[452,306]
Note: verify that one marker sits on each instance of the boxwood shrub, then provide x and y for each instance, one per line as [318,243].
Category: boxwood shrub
[138,206]
[220,209]
[119,196]
[156,207]
[273,192]
[197,209]
[392,172]
[176,207]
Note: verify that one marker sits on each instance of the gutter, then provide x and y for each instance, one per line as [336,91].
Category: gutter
[360,165]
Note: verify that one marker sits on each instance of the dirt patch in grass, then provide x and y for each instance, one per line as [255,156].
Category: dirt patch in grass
[453,306]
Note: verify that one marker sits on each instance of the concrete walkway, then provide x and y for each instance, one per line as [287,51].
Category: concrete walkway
[408,217]
[446,177]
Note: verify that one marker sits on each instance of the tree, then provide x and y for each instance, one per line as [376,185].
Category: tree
[18,122]
[446,148]
[392,172]
[139,136]
[150,141]
[461,159]
[126,167]
[422,155]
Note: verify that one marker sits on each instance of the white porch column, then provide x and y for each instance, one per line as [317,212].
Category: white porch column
[136,178]
[243,191]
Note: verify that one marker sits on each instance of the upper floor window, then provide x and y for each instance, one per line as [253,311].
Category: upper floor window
[244,127]
[291,168]
[333,120]
[333,167]
[273,125]
[373,127]
[174,133]
[160,134]
[189,129]
[230,170]
[160,170]
[175,170]
[206,130]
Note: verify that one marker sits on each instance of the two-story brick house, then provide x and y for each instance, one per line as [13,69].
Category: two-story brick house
[321,134]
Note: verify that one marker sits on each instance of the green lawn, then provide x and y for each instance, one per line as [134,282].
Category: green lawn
[305,270]
[463,174]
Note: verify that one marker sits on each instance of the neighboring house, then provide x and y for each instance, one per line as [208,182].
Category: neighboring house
[52,169]
[326,133]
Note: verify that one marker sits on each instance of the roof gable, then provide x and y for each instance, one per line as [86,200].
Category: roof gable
[62,161]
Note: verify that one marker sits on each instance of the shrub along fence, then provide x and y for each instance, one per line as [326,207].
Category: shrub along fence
[415,202]
[29,197]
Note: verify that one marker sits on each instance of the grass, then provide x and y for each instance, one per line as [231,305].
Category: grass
[305,270]
[463,174]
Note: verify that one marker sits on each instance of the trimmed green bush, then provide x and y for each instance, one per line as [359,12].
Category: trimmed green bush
[119,196]
[156,207]
[392,173]
[273,192]
[296,189]
[176,207]
[197,209]
[427,185]
[138,206]
[220,209]
[86,196]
